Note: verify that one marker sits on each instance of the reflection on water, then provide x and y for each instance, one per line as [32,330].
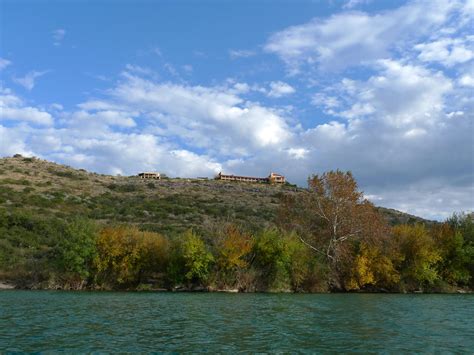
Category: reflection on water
[82,321]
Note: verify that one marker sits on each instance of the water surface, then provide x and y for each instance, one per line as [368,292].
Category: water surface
[180,322]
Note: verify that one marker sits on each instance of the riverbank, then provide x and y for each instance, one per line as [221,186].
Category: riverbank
[297,252]
[6,286]
[209,289]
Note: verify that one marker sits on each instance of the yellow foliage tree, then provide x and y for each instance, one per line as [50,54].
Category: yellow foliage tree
[126,255]
[232,248]
[372,267]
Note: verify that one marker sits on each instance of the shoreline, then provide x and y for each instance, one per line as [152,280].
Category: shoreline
[9,287]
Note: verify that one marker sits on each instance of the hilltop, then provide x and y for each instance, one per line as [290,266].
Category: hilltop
[170,205]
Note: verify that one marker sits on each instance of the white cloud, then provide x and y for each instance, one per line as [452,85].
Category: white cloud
[58,36]
[4,63]
[12,141]
[99,105]
[12,108]
[401,94]
[85,119]
[30,114]
[241,53]
[279,89]
[240,88]
[28,81]
[298,153]
[355,38]
[355,3]
[467,80]
[322,99]
[447,51]
[203,116]
[193,164]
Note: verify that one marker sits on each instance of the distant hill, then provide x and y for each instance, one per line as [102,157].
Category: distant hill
[169,205]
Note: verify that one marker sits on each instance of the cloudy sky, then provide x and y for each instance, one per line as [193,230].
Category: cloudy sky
[382,88]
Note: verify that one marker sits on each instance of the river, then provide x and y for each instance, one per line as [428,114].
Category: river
[32,321]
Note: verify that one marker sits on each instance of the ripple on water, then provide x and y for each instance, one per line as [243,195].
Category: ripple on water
[130,322]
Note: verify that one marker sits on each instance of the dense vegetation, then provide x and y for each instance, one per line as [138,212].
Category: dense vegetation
[324,238]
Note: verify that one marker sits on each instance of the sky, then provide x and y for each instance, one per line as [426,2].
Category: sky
[384,89]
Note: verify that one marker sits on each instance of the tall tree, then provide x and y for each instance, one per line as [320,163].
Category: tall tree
[330,215]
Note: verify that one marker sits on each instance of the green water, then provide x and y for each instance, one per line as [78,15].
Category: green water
[171,322]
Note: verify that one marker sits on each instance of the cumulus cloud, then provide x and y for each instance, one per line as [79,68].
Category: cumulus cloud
[405,139]
[205,117]
[279,89]
[354,38]
[12,108]
[401,94]
[447,51]
[13,141]
[29,80]
[467,80]
[95,120]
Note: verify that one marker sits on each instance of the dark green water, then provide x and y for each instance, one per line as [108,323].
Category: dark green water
[130,322]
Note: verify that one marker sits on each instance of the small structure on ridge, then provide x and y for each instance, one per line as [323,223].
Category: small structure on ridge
[273,178]
[150,175]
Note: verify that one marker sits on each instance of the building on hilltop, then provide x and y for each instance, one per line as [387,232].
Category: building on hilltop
[273,178]
[150,175]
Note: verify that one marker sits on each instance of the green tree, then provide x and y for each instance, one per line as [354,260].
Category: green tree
[76,250]
[191,261]
[272,259]
[419,255]
[457,246]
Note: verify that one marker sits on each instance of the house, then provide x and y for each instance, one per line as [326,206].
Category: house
[150,175]
[273,178]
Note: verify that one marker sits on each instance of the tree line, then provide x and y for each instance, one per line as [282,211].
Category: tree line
[327,239]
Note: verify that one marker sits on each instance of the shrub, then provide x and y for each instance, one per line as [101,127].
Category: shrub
[419,255]
[77,250]
[128,256]
[232,248]
[272,260]
[191,261]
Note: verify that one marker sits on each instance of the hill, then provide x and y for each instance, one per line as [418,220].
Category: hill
[169,205]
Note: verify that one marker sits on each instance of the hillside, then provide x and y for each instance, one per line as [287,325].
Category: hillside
[169,205]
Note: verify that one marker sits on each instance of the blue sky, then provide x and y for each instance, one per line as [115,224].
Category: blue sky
[381,88]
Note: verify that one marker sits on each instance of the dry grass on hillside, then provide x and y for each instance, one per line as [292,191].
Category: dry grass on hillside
[170,205]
